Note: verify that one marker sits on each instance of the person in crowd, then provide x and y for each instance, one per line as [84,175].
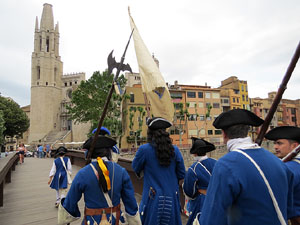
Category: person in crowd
[58,177]
[41,151]
[249,185]
[198,175]
[162,166]
[48,151]
[21,150]
[103,183]
[287,138]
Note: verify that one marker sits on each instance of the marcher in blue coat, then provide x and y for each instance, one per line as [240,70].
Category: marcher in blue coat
[163,167]
[103,184]
[286,138]
[58,174]
[198,175]
[249,185]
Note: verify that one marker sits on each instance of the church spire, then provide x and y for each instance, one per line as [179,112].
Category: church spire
[36,24]
[47,23]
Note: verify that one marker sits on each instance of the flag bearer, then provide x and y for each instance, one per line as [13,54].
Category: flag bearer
[163,167]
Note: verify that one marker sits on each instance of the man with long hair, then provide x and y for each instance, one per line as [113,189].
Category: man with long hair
[163,167]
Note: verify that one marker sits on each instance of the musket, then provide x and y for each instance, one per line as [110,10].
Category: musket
[111,65]
[291,155]
[278,96]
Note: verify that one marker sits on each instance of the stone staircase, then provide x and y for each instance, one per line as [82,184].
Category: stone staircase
[55,136]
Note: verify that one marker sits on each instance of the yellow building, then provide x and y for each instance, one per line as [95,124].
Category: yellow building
[237,91]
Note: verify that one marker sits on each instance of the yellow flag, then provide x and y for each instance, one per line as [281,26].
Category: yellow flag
[153,83]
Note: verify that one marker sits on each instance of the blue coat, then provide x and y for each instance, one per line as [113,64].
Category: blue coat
[237,194]
[160,199]
[60,180]
[86,183]
[294,166]
[197,177]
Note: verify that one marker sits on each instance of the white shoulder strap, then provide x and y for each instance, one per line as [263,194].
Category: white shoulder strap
[296,160]
[107,198]
[63,162]
[279,214]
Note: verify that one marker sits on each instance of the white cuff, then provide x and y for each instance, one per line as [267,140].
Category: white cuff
[64,217]
[133,220]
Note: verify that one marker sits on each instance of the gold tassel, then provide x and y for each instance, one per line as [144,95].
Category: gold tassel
[104,171]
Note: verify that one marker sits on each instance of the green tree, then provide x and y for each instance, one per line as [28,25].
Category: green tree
[16,121]
[2,127]
[89,98]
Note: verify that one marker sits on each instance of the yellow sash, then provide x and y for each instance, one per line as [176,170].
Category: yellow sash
[104,171]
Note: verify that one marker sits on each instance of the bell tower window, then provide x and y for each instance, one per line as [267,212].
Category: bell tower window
[47,44]
[38,72]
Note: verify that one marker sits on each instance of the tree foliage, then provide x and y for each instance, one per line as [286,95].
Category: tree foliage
[2,127]
[89,98]
[16,121]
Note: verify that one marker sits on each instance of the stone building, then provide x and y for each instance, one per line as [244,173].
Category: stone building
[51,91]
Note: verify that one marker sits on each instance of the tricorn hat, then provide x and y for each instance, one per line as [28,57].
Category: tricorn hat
[102,142]
[61,151]
[200,146]
[284,132]
[156,123]
[237,116]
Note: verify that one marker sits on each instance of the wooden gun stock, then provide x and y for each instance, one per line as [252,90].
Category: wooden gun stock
[292,154]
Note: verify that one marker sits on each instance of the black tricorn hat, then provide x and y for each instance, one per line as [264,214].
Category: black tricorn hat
[284,132]
[61,151]
[102,142]
[156,123]
[200,146]
[237,116]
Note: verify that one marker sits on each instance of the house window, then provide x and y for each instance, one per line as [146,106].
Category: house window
[191,94]
[233,99]
[243,97]
[216,105]
[201,117]
[207,94]
[200,94]
[215,95]
[209,132]
[237,100]
[192,104]
[201,104]
[218,132]
[131,97]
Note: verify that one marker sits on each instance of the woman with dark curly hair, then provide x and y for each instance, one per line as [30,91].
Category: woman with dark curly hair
[163,168]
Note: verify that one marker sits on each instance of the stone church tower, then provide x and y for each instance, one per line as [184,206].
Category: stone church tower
[46,78]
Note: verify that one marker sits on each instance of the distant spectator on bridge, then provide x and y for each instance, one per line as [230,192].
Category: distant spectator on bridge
[58,177]
[198,175]
[40,151]
[103,183]
[163,167]
[21,150]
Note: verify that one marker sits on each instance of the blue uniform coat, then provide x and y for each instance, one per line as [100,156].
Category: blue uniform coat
[160,199]
[237,194]
[197,177]
[60,180]
[294,166]
[86,183]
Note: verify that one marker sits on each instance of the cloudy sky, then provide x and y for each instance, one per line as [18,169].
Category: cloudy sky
[196,41]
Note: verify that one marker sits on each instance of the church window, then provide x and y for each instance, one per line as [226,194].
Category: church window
[71,83]
[47,44]
[75,81]
[46,83]
[66,84]
[40,43]
[55,73]
[38,72]
[38,83]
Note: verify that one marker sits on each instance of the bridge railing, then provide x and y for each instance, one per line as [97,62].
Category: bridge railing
[7,165]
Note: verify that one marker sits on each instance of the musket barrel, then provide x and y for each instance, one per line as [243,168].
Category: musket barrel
[278,96]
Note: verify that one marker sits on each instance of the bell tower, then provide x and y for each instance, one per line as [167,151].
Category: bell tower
[46,78]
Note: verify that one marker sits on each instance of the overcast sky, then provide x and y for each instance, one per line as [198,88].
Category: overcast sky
[196,41]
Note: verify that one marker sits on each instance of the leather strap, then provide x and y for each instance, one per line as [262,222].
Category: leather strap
[202,191]
[110,210]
